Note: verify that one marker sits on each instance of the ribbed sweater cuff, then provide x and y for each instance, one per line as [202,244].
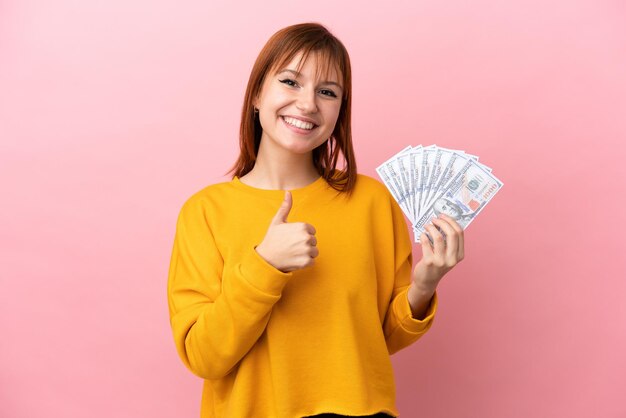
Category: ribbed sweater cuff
[262,275]
[404,314]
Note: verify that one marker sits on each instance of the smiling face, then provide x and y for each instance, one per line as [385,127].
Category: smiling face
[298,110]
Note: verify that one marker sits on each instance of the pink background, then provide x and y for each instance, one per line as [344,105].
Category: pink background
[113,113]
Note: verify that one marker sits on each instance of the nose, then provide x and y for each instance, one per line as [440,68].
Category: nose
[306,101]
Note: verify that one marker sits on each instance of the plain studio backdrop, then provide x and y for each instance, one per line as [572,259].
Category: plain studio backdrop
[113,113]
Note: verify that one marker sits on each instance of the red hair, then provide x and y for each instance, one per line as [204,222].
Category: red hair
[279,50]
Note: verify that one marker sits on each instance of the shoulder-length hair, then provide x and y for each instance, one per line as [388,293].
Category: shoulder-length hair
[279,50]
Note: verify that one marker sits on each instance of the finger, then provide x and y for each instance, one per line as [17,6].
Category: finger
[461,250]
[461,234]
[309,228]
[313,241]
[427,249]
[314,252]
[283,210]
[452,238]
[438,242]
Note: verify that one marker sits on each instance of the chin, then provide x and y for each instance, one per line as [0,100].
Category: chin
[301,146]
[299,150]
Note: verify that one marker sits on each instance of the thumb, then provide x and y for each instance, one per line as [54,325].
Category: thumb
[283,210]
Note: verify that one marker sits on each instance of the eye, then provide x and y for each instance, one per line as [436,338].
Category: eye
[328,93]
[288,81]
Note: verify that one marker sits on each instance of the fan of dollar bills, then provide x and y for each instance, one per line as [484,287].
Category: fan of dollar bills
[427,181]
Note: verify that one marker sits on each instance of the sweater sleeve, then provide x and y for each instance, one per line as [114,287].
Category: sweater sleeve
[216,314]
[400,328]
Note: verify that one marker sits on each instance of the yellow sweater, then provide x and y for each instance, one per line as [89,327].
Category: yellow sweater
[287,345]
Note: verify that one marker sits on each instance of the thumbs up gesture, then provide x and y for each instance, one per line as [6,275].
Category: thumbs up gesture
[288,246]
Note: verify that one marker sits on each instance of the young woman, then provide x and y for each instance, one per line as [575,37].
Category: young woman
[290,285]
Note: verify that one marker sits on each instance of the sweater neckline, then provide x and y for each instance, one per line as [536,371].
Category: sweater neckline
[299,192]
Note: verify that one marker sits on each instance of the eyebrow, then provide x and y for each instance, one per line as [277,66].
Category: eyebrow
[298,74]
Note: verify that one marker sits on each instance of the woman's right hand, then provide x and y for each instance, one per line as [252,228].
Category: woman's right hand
[288,246]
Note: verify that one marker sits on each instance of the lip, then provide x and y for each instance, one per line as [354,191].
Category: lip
[303,119]
[298,130]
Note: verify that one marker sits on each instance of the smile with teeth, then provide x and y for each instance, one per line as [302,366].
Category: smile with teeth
[298,123]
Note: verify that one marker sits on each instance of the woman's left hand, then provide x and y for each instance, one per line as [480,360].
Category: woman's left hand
[440,257]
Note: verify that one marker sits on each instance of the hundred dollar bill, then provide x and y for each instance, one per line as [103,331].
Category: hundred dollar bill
[452,163]
[428,154]
[434,171]
[402,161]
[442,162]
[414,157]
[406,164]
[389,172]
[464,197]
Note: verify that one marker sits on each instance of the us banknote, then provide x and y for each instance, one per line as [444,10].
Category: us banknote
[427,181]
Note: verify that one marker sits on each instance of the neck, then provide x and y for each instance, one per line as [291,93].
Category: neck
[280,169]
